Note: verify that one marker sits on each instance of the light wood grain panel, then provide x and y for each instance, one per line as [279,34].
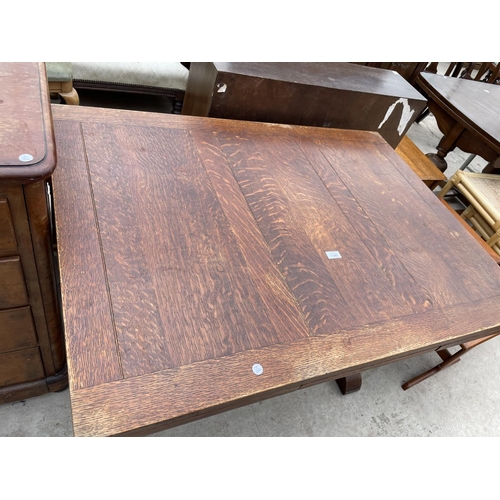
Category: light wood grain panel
[281,306]
[358,274]
[399,277]
[404,223]
[319,297]
[474,263]
[277,178]
[89,330]
[182,238]
[137,320]
[202,387]
[119,117]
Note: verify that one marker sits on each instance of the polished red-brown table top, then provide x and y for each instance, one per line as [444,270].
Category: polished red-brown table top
[206,264]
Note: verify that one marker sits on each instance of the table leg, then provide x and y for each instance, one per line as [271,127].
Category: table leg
[349,384]
[446,144]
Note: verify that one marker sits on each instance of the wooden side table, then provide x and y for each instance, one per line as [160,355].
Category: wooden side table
[333,95]
[467,114]
[32,356]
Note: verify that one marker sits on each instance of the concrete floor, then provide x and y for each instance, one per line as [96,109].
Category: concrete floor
[463,400]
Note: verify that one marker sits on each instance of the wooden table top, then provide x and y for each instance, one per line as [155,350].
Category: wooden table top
[27,149]
[192,249]
[476,105]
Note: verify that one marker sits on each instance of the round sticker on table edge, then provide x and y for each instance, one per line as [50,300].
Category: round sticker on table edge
[257,369]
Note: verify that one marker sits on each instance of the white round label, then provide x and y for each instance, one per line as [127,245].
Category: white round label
[257,369]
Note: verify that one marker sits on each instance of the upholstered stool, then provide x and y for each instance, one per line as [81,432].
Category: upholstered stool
[60,76]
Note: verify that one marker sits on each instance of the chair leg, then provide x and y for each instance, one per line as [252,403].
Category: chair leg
[70,97]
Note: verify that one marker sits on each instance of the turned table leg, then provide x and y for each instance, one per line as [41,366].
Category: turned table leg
[446,144]
[349,384]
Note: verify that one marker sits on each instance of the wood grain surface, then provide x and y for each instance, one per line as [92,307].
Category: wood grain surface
[475,105]
[191,249]
[25,122]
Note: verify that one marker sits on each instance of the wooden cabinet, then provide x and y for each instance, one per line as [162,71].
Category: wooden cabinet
[32,356]
[333,95]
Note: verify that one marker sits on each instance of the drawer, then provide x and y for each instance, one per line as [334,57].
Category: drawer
[8,241]
[17,330]
[21,366]
[13,288]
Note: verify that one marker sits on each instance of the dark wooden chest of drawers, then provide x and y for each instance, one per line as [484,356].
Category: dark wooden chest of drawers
[32,356]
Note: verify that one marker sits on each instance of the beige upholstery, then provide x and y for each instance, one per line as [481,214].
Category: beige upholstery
[171,75]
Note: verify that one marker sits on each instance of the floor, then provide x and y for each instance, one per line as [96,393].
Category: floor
[461,401]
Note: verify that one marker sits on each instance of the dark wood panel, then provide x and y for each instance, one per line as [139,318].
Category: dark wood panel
[39,223]
[202,388]
[90,332]
[336,95]
[476,105]
[13,291]
[19,392]
[17,330]
[8,241]
[18,207]
[21,366]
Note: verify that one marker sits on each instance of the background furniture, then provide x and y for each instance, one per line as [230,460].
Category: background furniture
[337,95]
[60,76]
[467,114]
[482,191]
[32,357]
[158,78]
[220,262]
[408,70]
[419,163]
